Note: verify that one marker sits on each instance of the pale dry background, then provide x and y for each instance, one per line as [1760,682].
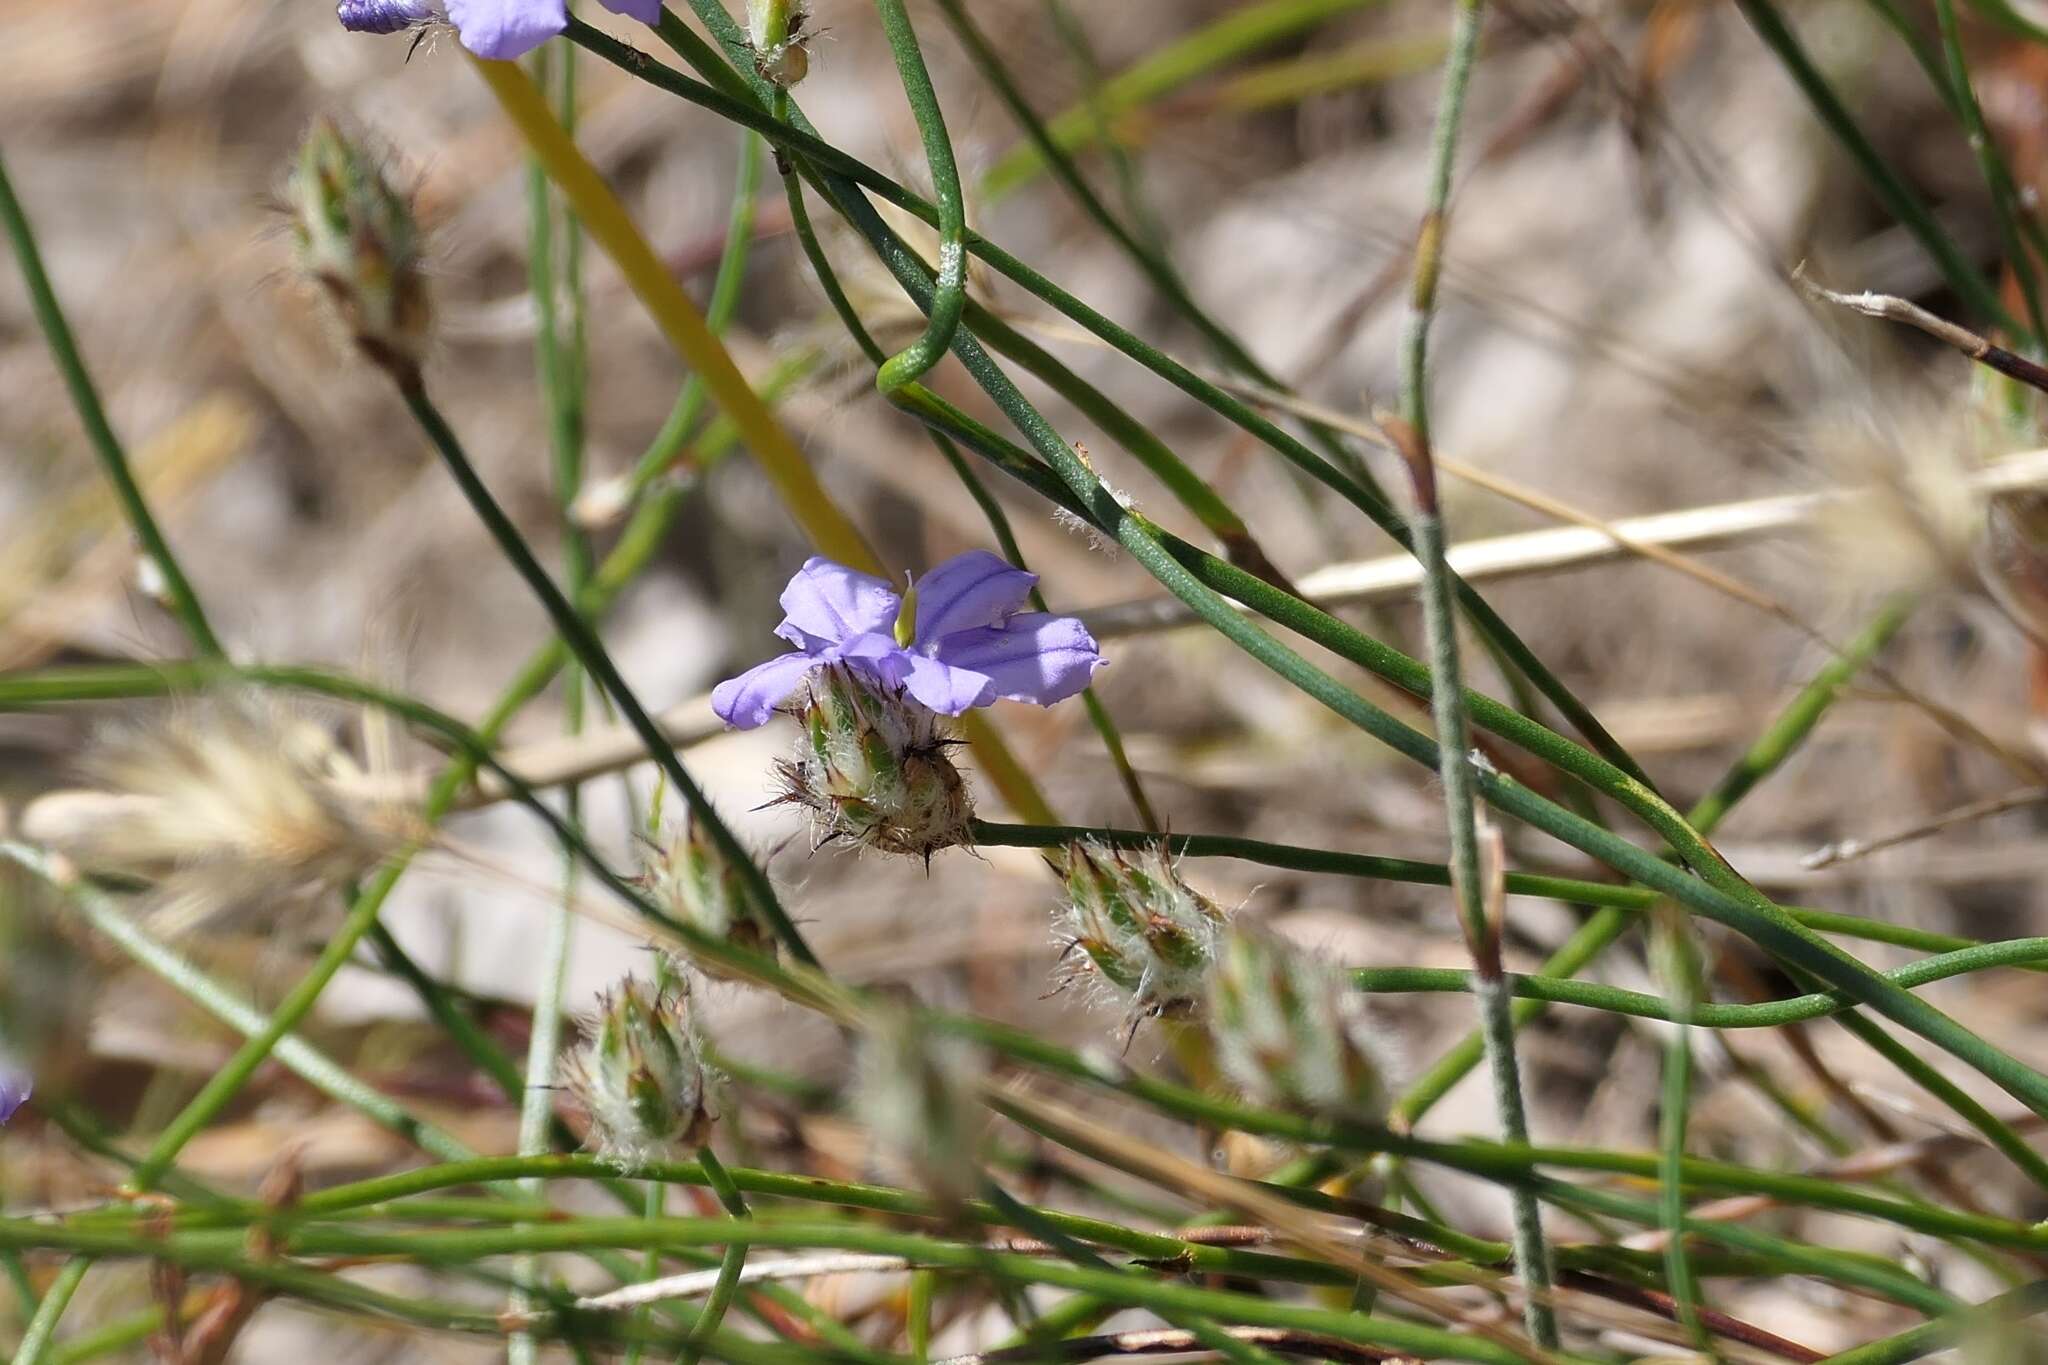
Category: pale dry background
[1611,334]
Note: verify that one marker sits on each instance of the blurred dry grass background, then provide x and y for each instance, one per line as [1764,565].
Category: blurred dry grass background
[1616,333]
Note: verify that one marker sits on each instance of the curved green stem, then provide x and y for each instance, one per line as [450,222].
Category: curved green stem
[730,1265]
[840,174]
[950,298]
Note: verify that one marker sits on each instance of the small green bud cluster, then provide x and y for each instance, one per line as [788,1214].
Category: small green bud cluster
[872,769]
[916,1098]
[695,882]
[640,1073]
[356,238]
[1291,1032]
[1145,930]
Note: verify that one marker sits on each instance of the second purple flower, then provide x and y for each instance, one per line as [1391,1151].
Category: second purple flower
[958,640]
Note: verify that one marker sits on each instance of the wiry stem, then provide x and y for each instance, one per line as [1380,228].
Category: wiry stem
[1470,884]
[85,397]
[589,652]
[559,368]
[950,298]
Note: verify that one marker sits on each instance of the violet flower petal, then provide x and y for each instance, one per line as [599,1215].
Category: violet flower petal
[646,11]
[15,1088]
[944,688]
[748,700]
[501,30]
[828,603]
[386,16]
[1035,657]
[969,590]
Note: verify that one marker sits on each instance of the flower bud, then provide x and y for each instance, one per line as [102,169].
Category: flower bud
[389,16]
[872,768]
[916,1098]
[356,238]
[695,882]
[640,1073]
[1292,1032]
[1145,931]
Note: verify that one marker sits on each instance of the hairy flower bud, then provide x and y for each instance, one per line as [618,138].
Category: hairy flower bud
[696,883]
[1291,1031]
[872,768]
[1144,930]
[916,1098]
[640,1073]
[234,805]
[356,239]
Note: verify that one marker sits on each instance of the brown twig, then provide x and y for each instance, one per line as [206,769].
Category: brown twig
[1848,850]
[1891,308]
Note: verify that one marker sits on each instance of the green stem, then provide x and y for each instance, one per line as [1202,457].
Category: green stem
[1237,32]
[661,453]
[42,1328]
[86,399]
[2006,1311]
[1559,990]
[589,652]
[1914,216]
[1447,702]
[838,176]
[2005,206]
[107,918]
[950,298]
[730,1265]
[560,373]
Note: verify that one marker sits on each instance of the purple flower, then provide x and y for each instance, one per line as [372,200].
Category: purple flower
[959,642]
[15,1087]
[497,29]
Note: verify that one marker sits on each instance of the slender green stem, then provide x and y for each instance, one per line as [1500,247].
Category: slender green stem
[840,176]
[2005,1312]
[1149,259]
[2007,199]
[107,918]
[1237,32]
[2005,206]
[85,397]
[584,644]
[729,1267]
[950,298]
[1718,893]
[1098,714]
[662,452]
[1447,702]
[560,372]
[917,1316]
[1554,989]
[42,1328]
[214,1249]
[776,16]
[1913,215]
